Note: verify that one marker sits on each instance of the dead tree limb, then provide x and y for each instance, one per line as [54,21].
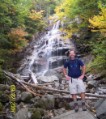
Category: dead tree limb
[68,97]
[11,75]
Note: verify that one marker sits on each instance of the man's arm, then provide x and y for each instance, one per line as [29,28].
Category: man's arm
[83,72]
[65,73]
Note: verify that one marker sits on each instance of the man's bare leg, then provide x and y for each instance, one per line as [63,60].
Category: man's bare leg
[82,96]
[74,97]
[83,101]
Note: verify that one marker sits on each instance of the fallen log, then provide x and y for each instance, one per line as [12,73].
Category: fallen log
[29,90]
[45,84]
[62,91]
[69,96]
[23,85]
[11,75]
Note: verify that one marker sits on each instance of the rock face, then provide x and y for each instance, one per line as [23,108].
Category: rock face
[47,53]
[101,108]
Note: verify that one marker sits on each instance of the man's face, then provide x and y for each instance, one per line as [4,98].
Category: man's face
[72,54]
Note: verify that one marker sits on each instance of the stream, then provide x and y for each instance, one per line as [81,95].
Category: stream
[48,52]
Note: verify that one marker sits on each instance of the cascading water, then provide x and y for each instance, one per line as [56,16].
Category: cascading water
[48,52]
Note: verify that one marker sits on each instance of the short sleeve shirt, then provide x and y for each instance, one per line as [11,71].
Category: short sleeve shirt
[74,67]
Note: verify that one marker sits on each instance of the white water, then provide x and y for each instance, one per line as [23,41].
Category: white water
[48,50]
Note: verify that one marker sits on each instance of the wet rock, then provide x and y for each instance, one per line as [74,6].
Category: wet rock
[51,100]
[22,114]
[35,99]
[37,113]
[20,106]
[4,98]
[100,107]
[26,96]
[91,84]
[46,102]
[4,87]
[59,111]
[18,96]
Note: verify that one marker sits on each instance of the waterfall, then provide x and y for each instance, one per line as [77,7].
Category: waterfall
[48,53]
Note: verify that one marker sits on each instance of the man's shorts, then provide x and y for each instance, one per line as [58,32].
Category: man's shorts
[76,86]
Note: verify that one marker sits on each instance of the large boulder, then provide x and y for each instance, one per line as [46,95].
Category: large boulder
[4,98]
[46,102]
[26,96]
[4,87]
[22,114]
[38,113]
[100,107]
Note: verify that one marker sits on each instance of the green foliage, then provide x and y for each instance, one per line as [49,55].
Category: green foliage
[99,51]
[34,22]
[98,24]
[15,27]
[87,18]
[47,6]
[37,113]
[78,12]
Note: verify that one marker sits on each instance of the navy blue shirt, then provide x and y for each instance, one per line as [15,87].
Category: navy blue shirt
[74,67]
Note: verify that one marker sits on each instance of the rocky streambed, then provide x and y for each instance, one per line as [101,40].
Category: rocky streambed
[47,104]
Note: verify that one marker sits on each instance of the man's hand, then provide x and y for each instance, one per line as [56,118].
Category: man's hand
[81,77]
[67,77]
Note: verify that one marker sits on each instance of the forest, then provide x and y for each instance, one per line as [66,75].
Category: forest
[25,27]
[19,21]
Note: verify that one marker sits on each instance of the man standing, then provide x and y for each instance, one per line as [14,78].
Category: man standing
[76,72]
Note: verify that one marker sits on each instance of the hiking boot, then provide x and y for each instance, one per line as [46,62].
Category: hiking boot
[84,107]
[76,107]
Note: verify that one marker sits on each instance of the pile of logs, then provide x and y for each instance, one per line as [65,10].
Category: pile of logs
[34,88]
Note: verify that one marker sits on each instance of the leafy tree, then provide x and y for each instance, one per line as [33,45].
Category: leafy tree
[34,22]
[17,39]
[77,13]
[17,22]
[84,18]
[98,24]
[47,6]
